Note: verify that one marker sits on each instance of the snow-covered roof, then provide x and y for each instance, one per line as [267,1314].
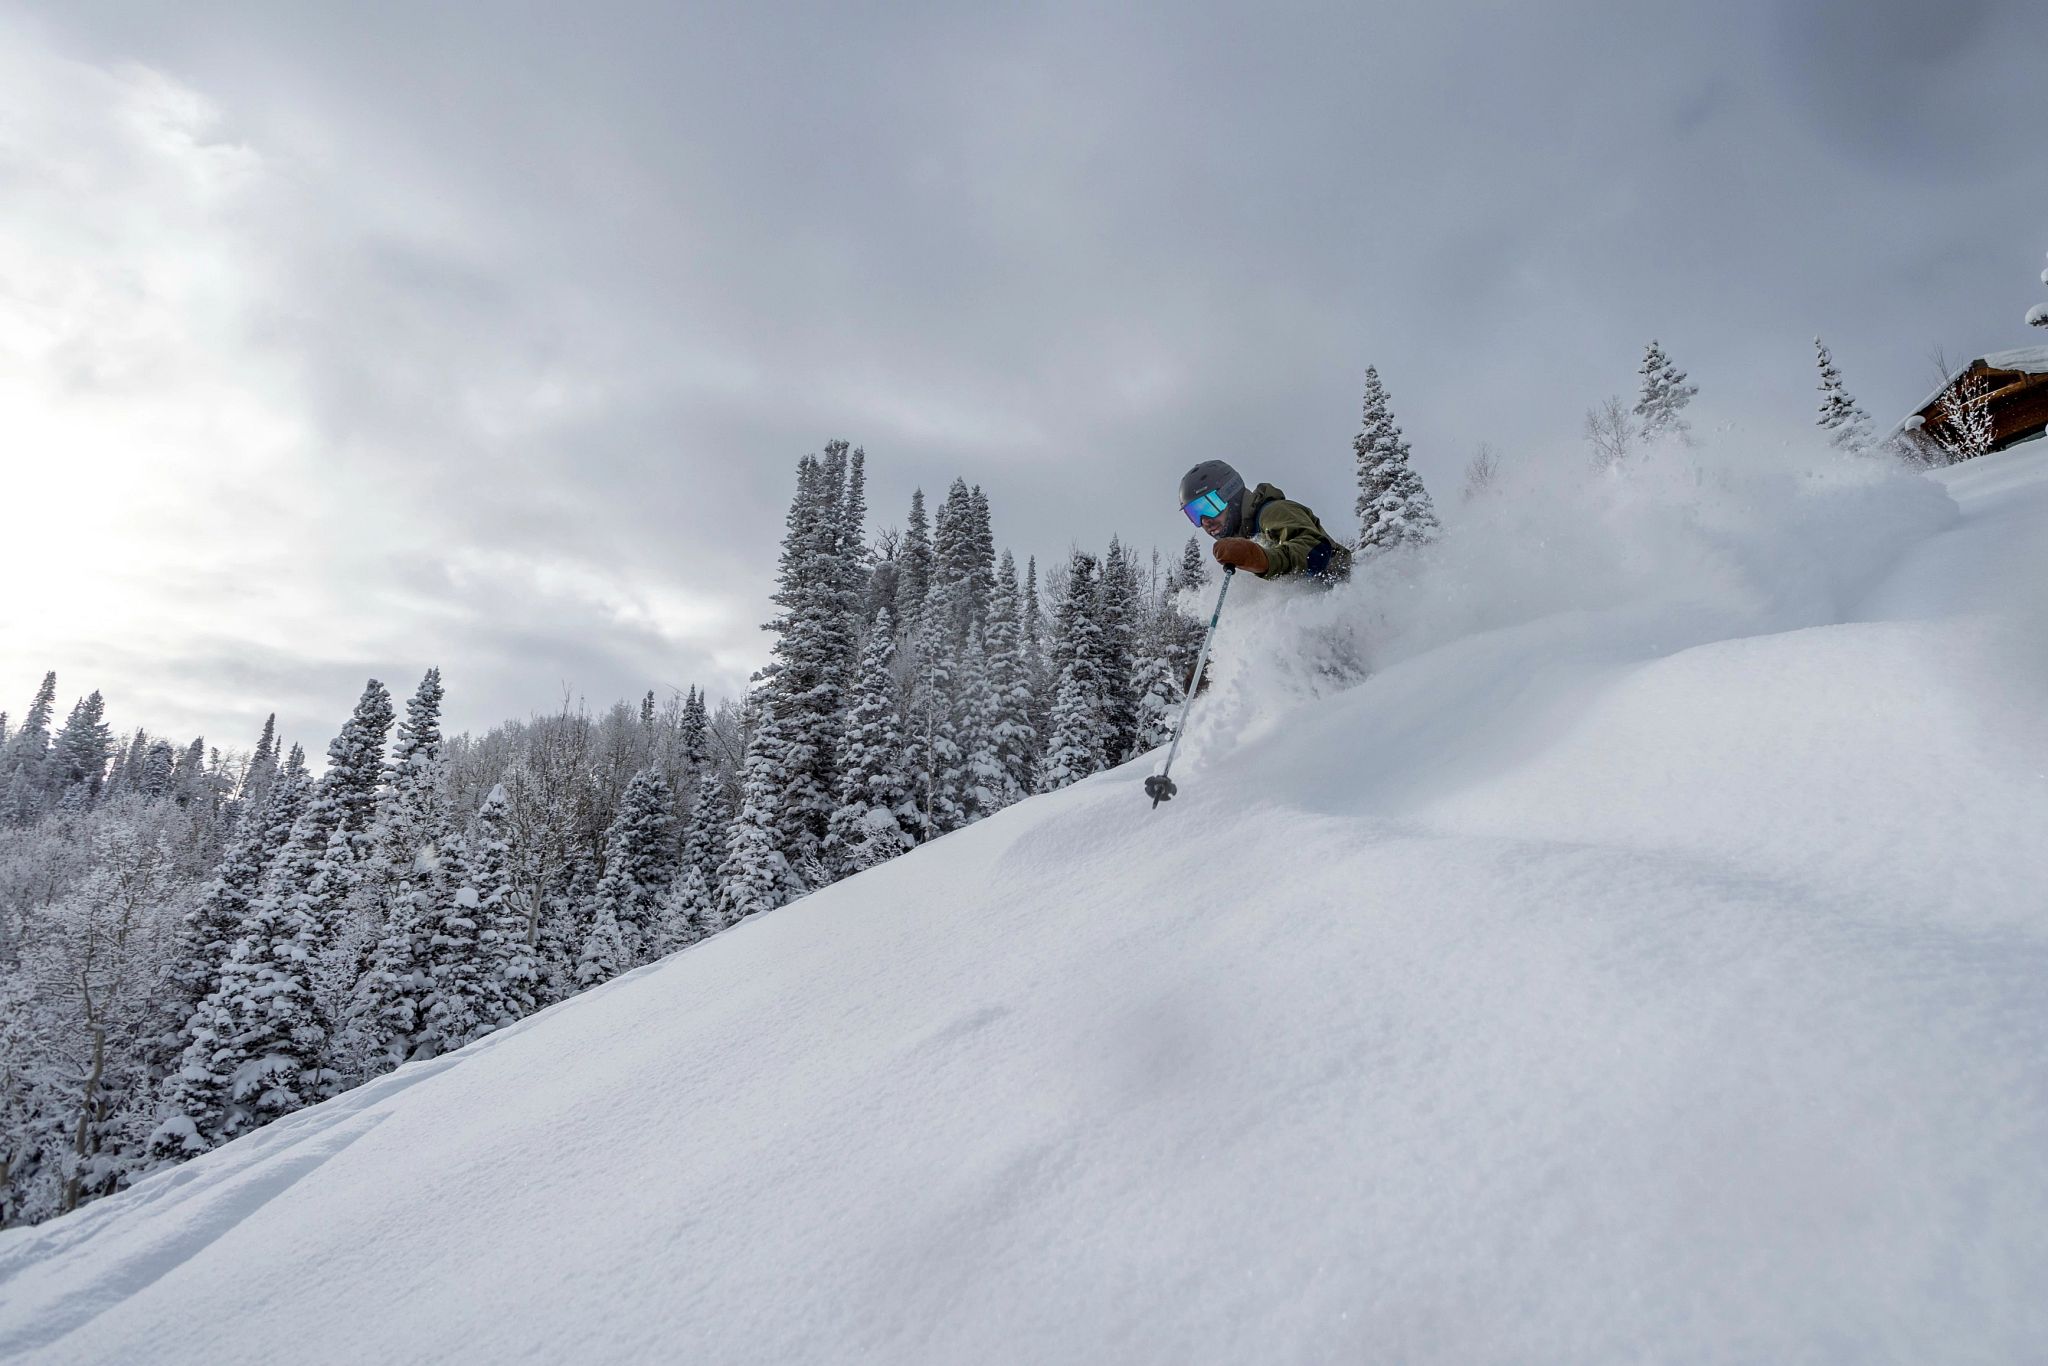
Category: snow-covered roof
[2028,360]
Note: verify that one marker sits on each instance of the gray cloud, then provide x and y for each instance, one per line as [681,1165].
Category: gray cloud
[576,293]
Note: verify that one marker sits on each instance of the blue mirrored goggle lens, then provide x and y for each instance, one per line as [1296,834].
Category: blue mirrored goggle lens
[1210,504]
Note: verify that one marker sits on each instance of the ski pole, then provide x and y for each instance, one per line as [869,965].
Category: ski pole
[1159,787]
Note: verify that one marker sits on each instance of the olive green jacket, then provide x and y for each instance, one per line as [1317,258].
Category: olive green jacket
[1291,535]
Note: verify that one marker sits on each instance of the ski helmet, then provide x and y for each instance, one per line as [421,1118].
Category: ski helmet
[1213,476]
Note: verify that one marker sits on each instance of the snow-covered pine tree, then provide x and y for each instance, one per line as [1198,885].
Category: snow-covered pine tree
[400,890]
[207,932]
[856,561]
[814,655]
[384,1013]
[639,863]
[707,841]
[27,759]
[1393,507]
[1121,616]
[1847,425]
[262,770]
[980,547]
[256,1044]
[935,758]
[459,997]
[1178,631]
[1078,743]
[1037,661]
[79,757]
[756,875]
[978,777]
[159,767]
[957,576]
[1160,696]
[1009,674]
[913,580]
[124,778]
[876,818]
[1662,395]
[190,782]
[216,933]
[696,727]
[604,955]
[290,996]
[688,911]
[505,936]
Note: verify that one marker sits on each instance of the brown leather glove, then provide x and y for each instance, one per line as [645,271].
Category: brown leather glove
[1242,553]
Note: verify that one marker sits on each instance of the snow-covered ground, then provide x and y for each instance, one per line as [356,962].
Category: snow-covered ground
[1649,961]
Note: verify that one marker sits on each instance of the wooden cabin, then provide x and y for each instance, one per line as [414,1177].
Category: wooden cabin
[2011,387]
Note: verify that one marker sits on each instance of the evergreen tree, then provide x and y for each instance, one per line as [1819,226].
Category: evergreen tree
[1160,697]
[208,930]
[285,987]
[262,768]
[688,911]
[1662,395]
[756,875]
[1078,744]
[459,1001]
[1178,632]
[1847,426]
[981,555]
[1037,667]
[978,775]
[914,579]
[191,783]
[1119,613]
[224,957]
[82,750]
[876,818]
[856,561]
[604,955]
[696,729]
[159,766]
[27,758]
[936,760]
[388,1000]
[511,972]
[1011,729]
[813,657]
[1393,507]
[126,777]
[639,863]
[707,843]
[256,1044]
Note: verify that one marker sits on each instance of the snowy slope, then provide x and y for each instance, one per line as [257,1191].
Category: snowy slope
[1648,961]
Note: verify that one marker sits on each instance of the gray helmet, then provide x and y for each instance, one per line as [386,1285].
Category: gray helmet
[1217,476]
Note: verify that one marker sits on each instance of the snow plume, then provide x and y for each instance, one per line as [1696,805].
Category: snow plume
[1678,547]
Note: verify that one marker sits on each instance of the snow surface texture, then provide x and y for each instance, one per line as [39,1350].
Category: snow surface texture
[1646,962]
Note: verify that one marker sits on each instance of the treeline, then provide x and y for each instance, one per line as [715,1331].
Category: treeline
[195,943]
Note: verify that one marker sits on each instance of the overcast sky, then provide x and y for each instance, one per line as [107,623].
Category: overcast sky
[342,340]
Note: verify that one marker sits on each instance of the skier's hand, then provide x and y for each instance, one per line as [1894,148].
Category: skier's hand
[1241,553]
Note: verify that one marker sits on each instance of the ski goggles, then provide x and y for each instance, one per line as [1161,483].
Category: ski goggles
[1210,504]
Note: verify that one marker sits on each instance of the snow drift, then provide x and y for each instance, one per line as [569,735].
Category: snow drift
[1647,960]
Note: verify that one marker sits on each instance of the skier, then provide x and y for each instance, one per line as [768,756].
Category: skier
[1260,529]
